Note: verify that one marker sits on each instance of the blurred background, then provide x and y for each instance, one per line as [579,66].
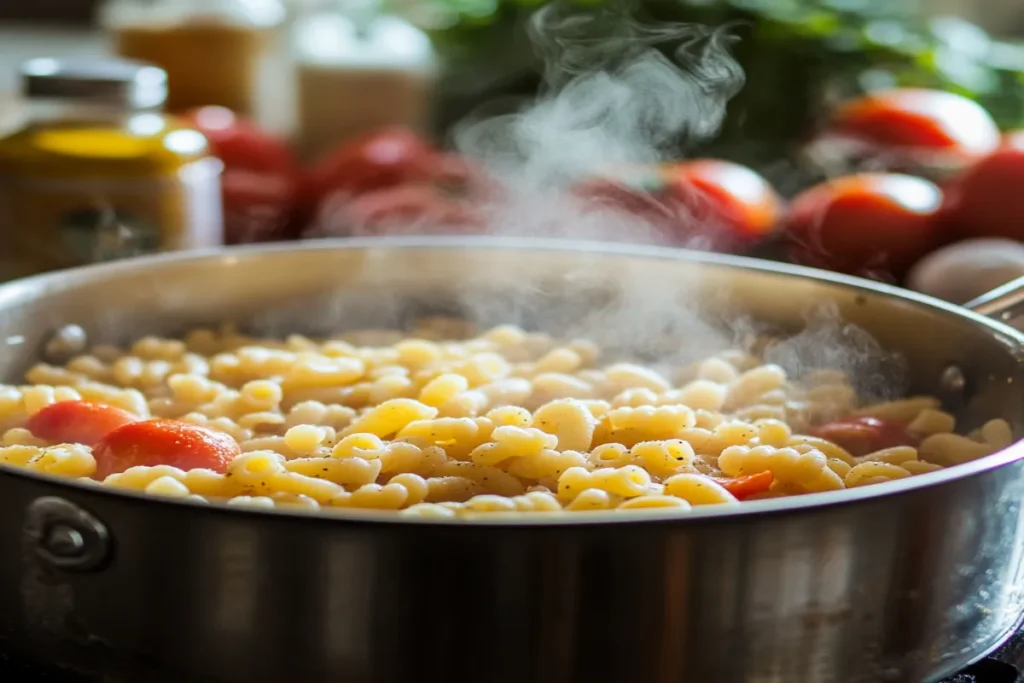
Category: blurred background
[300,80]
[809,50]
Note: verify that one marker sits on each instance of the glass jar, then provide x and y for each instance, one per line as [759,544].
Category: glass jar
[96,171]
[358,70]
[215,52]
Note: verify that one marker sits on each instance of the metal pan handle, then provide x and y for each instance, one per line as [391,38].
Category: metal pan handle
[1004,303]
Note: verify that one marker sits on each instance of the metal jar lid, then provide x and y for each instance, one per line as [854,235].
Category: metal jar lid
[118,82]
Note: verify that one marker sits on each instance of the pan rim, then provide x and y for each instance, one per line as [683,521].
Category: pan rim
[804,504]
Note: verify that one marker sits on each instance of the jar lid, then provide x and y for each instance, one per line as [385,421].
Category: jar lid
[132,85]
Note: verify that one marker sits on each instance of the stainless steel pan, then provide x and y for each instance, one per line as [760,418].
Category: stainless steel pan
[905,581]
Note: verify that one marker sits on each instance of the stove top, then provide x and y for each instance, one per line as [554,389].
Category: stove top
[1006,665]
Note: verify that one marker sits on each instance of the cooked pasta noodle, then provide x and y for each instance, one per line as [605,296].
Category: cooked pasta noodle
[505,422]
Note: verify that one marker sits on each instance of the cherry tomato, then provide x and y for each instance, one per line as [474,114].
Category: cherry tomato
[81,422]
[728,198]
[986,200]
[918,118]
[259,207]
[261,180]
[705,202]
[405,209]
[616,195]
[869,224]
[616,210]
[863,435]
[455,175]
[163,442]
[931,133]
[746,486]
[381,159]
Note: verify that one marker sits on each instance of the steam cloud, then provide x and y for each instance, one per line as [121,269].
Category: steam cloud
[618,93]
[611,100]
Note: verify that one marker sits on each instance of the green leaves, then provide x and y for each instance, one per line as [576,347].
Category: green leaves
[798,54]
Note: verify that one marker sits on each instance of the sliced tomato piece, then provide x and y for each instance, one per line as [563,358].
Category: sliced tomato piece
[164,442]
[748,485]
[860,436]
[81,422]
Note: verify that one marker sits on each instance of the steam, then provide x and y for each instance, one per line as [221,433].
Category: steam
[619,95]
[611,98]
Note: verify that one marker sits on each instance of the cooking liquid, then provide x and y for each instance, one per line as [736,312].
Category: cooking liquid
[209,60]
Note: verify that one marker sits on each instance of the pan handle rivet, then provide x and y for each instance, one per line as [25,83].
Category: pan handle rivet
[953,379]
[63,541]
[64,536]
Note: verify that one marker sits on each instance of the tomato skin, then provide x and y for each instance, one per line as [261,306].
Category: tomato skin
[164,442]
[700,203]
[404,209]
[377,160]
[985,200]
[81,422]
[928,133]
[615,195]
[918,118]
[865,224]
[748,485]
[730,197]
[261,180]
[860,436]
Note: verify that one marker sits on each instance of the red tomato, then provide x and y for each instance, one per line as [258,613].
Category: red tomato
[705,202]
[261,180]
[727,197]
[381,159]
[405,209]
[81,422]
[749,485]
[621,196]
[866,224]
[622,211]
[918,118]
[986,200]
[164,442]
[456,175]
[863,435]
[930,133]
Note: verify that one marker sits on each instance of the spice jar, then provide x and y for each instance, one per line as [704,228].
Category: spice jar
[97,172]
[215,52]
[358,70]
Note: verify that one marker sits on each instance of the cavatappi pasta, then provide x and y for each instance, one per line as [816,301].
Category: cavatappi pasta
[499,422]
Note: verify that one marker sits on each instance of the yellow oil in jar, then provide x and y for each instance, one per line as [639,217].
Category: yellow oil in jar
[82,189]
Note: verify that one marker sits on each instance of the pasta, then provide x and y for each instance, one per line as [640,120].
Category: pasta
[504,422]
